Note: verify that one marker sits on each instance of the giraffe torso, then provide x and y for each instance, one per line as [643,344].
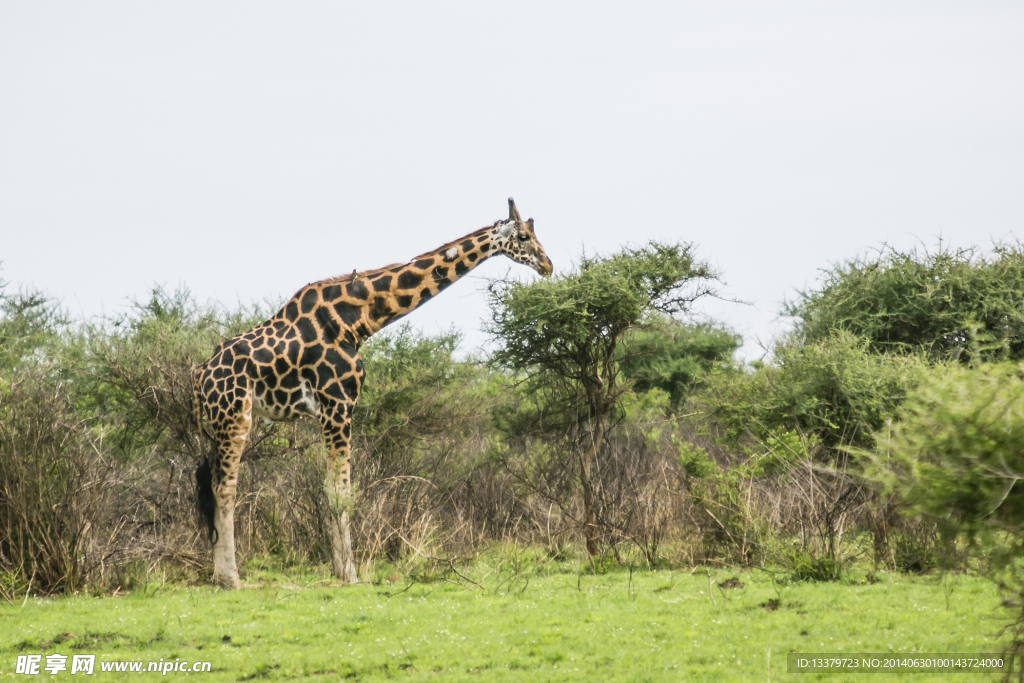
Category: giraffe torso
[304,361]
[286,375]
[296,364]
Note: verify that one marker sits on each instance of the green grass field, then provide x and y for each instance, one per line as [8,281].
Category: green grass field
[556,625]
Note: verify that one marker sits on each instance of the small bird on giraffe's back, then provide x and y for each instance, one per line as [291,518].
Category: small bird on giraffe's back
[304,362]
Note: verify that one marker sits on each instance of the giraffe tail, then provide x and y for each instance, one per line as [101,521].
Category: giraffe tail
[204,474]
[197,406]
[204,498]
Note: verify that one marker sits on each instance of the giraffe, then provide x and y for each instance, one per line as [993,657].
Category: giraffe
[304,362]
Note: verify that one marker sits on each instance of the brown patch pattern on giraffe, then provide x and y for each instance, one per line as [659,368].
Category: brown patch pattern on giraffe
[304,361]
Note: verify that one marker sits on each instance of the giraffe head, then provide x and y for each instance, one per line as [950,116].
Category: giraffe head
[515,238]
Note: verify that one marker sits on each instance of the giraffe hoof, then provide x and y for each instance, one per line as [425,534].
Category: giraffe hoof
[230,583]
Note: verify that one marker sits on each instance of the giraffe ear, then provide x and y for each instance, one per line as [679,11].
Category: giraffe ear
[513,214]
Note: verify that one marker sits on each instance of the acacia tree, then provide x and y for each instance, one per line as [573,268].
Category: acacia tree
[565,334]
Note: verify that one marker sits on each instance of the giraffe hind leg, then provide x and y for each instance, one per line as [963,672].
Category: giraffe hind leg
[231,429]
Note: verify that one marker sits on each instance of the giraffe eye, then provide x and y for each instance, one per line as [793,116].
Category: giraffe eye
[522,237]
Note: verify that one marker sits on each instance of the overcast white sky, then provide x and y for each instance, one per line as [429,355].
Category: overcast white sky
[245,149]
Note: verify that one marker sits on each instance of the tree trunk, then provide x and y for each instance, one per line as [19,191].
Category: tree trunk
[884,519]
[587,457]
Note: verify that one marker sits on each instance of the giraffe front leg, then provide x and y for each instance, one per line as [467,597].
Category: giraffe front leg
[338,487]
[339,496]
[225,571]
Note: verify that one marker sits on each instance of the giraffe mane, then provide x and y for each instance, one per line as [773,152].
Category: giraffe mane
[362,273]
[377,271]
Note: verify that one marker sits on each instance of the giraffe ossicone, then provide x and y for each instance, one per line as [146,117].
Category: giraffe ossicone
[304,362]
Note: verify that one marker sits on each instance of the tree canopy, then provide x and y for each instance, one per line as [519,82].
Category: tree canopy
[569,327]
[922,302]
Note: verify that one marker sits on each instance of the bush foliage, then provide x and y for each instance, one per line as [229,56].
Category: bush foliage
[957,451]
[835,390]
[921,302]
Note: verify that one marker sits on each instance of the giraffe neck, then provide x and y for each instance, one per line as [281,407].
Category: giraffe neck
[351,308]
[401,289]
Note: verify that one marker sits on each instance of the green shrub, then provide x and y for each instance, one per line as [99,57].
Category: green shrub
[416,393]
[922,302]
[957,452]
[723,496]
[835,390]
[804,566]
[30,325]
[695,461]
[956,457]
[675,357]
